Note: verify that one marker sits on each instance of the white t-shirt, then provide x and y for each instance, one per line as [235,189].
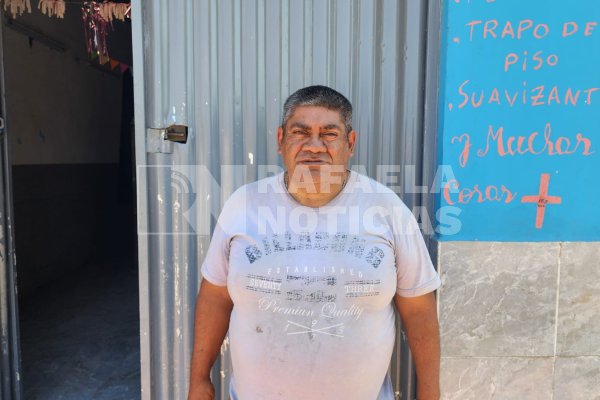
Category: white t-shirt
[313,287]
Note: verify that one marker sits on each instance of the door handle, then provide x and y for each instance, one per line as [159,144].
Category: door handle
[160,140]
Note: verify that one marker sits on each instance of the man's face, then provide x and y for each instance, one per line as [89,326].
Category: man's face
[315,141]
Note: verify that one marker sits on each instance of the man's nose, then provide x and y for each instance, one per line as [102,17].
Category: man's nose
[315,144]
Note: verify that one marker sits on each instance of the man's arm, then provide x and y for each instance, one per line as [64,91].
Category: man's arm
[420,323]
[213,309]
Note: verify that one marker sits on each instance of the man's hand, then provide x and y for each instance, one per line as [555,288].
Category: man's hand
[201,390]
[419,321]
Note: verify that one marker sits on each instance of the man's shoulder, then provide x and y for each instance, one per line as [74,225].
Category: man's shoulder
[268,185]
[254,190]
[245,200]
[371,193]
[363,184]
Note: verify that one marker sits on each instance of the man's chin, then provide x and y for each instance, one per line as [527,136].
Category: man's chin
[318,178]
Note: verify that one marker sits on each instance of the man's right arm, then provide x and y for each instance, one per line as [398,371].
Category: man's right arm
[213,309]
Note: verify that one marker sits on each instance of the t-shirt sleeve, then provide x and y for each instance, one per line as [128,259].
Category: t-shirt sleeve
[415,272]
[215,266]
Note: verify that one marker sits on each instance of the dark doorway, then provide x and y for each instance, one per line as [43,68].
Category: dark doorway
[70,128]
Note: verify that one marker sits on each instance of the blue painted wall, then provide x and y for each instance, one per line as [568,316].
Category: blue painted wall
[532,69]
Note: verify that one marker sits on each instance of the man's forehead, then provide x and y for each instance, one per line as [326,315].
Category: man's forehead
[308,115]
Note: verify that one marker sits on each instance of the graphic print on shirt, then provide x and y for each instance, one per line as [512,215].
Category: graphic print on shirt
[314,282]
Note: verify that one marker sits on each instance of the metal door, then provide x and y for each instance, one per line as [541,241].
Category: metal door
[10,383]
[223,68]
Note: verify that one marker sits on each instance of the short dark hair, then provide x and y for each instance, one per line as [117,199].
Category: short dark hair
[321,96]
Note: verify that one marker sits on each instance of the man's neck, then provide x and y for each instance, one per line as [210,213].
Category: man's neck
[319,198]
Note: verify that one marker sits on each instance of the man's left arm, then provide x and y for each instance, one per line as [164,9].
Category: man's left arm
[420,323]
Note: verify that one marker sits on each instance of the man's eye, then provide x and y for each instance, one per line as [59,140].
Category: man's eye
[330,134]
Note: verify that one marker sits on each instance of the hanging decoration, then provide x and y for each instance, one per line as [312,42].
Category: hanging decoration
[17,7]
[52,8]
[110,62]
[110,11]
[97,17]
[95,27]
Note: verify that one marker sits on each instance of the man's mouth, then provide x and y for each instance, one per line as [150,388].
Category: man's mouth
[312,162]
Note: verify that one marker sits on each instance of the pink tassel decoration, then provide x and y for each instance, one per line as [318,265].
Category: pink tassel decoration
[96,28]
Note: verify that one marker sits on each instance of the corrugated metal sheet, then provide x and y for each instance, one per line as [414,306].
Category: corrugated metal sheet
[224,68]
[10,360]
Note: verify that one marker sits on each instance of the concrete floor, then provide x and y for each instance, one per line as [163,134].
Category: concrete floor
[80,338]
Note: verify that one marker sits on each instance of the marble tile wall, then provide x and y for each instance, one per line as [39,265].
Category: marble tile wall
[497,378]
[520,320]
[498,299]
[579,301]
[577,378]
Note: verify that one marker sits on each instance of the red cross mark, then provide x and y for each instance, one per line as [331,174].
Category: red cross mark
[542,199]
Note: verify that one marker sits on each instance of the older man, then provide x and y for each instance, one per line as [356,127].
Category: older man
[304,268]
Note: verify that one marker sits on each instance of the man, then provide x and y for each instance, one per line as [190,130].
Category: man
[303,268]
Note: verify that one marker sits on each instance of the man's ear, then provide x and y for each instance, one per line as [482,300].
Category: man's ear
[352,141]
[279,139]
